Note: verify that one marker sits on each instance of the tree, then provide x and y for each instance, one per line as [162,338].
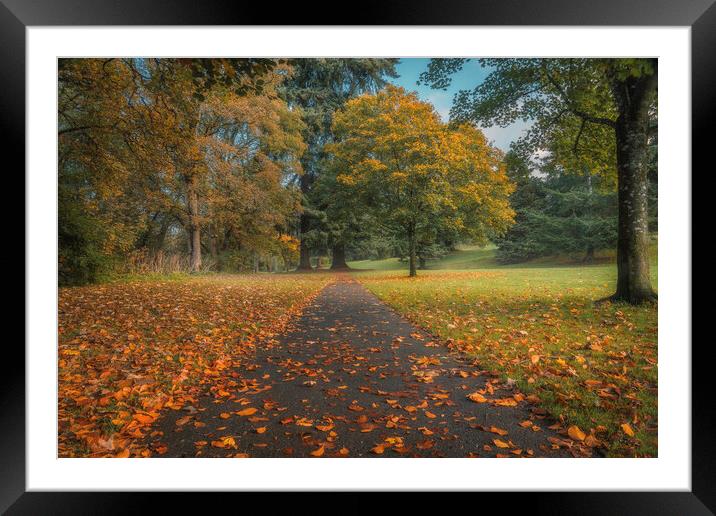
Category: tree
[106,155]
[320,87]
[557,212]
[417,174]
[611,102]
[153,148]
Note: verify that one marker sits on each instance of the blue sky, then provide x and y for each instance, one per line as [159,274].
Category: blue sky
[470,76]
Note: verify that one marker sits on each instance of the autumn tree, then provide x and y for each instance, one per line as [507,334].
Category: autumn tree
[153,147]
[416,173]
[106,155]
[610,103]
[251,145]
[319,87]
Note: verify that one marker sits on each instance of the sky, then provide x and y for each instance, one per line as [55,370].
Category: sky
[470,76]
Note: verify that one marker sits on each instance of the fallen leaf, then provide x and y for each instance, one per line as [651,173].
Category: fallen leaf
[378,450]
[498,431]
[477,397]
[575,433]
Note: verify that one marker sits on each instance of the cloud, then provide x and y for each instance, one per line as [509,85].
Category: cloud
[502,137]
[441,101]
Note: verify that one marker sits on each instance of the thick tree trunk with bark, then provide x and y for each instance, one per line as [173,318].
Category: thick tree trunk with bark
[304,262]
[632,133]
[412,250]
[339,257]
[194,225]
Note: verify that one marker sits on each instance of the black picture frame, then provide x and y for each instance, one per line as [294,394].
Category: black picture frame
[17,15]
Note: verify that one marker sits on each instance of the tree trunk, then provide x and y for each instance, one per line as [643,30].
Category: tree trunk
[589,256]
[304,262]
[632,132]
[194,225]
[412,247]
[213,247]
[339,257]
[159,241]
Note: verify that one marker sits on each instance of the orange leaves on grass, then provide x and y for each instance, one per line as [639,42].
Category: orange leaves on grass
[551,340]
[129,351]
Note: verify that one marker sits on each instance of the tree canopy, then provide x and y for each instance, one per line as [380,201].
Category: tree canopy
[143,159]
[416,173]
[595,116]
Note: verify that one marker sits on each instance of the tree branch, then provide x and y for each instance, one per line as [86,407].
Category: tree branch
[570,105]
[579,135]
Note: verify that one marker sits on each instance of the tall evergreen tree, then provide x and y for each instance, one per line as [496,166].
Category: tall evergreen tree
[320,87]
[557,213]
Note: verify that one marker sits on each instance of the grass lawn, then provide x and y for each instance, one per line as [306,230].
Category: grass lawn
[593,366]
[130,348]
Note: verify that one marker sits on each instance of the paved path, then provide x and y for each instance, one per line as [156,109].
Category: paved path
[352,378]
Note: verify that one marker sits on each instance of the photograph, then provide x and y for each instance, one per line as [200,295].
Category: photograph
[357,257]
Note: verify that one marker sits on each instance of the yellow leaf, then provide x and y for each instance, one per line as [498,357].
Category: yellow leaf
[144,418]
[247,411]
[500,444]
[224,442]
[575,433]
[506,402]
[477,397]
[628,430]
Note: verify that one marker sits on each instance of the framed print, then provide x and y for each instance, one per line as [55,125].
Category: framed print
[306,248]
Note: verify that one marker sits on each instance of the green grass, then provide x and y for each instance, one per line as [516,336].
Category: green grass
[505,315]
[468,257]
